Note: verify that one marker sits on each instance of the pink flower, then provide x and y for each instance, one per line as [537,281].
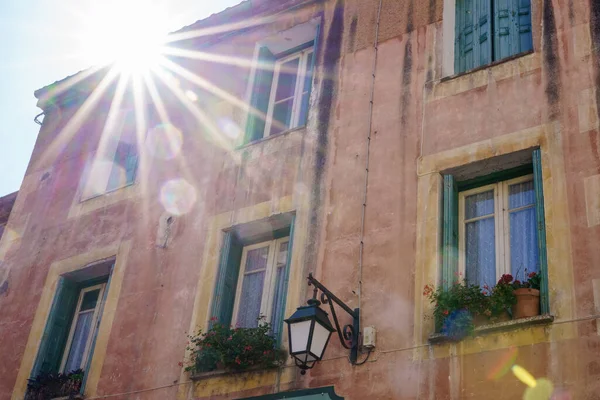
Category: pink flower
[445,312]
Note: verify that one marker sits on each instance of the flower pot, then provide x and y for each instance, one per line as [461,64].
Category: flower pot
[528,303]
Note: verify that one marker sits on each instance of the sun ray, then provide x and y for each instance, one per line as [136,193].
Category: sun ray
[75,122]
[62,86]
[140,133]
[221,28]
[210,87]
[196,112]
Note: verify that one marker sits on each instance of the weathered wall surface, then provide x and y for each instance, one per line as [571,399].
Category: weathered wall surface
[422,123]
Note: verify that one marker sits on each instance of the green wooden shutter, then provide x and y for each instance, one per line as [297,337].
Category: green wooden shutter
[261,93]
[278,324]
[473,46]
[310,73]
[54,338]
[226,285]
[483,39]
[464,33]
[524,25]
[450,232]
[538,184]
[512,27]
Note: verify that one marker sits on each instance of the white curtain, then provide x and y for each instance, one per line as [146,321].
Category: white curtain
[480,235]
[524,255]
[80,337]
[252,287]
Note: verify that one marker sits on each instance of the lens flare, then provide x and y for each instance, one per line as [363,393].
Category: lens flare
[177,196]
[504,364]
[229,128]
[164,141]
[540,389]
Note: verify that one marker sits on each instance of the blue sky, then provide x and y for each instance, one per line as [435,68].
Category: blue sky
[41,42]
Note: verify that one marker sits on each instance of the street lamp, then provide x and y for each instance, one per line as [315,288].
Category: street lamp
[309,328]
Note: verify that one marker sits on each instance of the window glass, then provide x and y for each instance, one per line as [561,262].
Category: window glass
[89,300]
[80,337]
[252,287]
[524,257]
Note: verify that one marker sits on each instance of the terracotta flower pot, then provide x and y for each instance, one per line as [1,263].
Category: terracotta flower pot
[528,303]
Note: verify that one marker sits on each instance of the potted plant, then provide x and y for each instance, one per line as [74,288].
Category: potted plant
[233,349]
[527,295]
[50,385]
[459,308]
[502,298]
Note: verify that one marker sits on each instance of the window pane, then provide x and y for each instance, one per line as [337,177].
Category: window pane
[276,313]
[286,83]
[308,74]
[89,300]
[479,204]
[249,305]
[256,259]
[521,194]
[80,337]
[524,257]
[480,252]
[282,116]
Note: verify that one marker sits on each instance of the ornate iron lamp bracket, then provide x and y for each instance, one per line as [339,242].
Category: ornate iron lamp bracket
[350,332]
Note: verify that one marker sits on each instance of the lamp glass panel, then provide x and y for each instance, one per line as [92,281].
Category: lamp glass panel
[299,332]
[319,340]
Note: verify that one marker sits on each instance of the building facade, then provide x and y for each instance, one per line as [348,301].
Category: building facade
[379,145]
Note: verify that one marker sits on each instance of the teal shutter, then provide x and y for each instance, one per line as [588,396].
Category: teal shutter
[538,184]
[524,25]
[54,338]
[450,232]
[225,288]
[483,39]
[278,322]
[512,32]
[131,165]
[261,93]
[464,33]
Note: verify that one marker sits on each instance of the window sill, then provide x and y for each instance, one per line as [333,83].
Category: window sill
[486,66]
[108,192]
[75,397]
[198,376]
[264,139]
[436,338]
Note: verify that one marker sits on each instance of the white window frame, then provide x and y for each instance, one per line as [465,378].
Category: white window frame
[303,68]
[94,326]
[501,224]
[266,304]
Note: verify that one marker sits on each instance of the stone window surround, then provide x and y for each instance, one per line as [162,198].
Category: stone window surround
[428,260]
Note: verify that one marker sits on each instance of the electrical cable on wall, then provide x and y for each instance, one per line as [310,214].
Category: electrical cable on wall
[370,126]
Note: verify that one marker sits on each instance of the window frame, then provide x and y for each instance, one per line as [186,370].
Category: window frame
[94,326]
[501,223]
[303,69]
[270,275]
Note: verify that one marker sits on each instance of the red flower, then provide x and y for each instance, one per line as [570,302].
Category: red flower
[517,282]
[533,274]
[238,361]
[247,348]
[214,319]
[505,279]
[445,312]
[180,364]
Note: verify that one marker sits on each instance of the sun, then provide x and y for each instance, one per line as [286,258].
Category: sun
[129,34]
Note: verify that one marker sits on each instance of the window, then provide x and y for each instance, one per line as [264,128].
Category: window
[498,231]
[494,223]
[490,30]
[280,92]
[83,328]
[115,163]
[260,284]
[69,336]
[253,273]
[288,103]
